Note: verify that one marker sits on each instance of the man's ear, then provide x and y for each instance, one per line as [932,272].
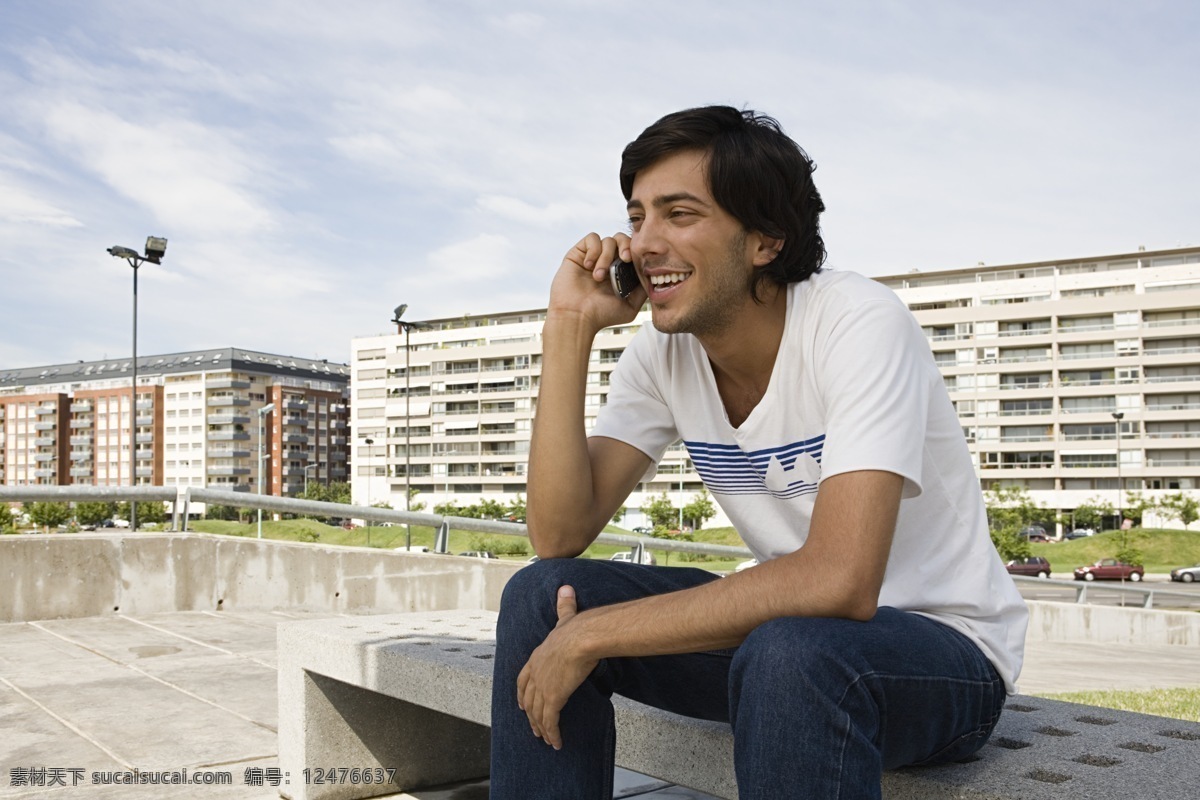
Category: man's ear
[767,249]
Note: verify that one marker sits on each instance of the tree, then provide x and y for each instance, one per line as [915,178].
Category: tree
[221,512]
[491,509]
[1009,510]
[93,513]
[7,523]
[620,514]
[148,511]
[49,515]
[1136,506]
[1091,513]
[419,505]
[1182,507]
[517,509]
[699,510]
[660,512]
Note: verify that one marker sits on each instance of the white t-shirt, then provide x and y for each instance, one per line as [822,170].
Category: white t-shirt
[854,387]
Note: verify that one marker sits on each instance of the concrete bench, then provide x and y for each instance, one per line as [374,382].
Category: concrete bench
[411,693]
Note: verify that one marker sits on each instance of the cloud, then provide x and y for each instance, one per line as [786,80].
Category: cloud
[188,175]
[18,205]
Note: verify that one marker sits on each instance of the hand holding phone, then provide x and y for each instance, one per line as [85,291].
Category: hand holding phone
[623,277]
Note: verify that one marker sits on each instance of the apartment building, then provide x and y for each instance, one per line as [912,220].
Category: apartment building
[195,422]
[1078,379]
[1039,360]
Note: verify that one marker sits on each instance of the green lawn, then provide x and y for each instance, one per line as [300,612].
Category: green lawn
[1174,703]
[1162,549]
[386,538]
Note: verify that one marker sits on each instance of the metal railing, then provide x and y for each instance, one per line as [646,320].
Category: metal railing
[1146,593]
[182,498]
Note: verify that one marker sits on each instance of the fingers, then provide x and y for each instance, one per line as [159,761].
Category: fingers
[566,603]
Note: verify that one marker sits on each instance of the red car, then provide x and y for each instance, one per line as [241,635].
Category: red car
[1109,569]
[1035,567]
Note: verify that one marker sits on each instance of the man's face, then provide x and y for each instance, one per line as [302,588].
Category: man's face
[693,257]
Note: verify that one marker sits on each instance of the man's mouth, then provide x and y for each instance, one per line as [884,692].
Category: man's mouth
[666,281]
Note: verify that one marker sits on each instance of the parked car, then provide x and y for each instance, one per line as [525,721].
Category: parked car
[1109,569]
[1035,566]
[479,554]
[120,523]
[1080,533]
[643,530]
[1186,574]
[1034,533]
[627,557]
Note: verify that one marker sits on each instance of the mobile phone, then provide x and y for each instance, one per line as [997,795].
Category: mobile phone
[624,278]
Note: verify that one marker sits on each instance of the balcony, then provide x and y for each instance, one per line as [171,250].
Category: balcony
[338,472]
[43,411]
[297,455]
[228,436]
[225,401]
[337,424]
[295,405]
[144,405]
[143,422]
[297,438]
[144,455]
[298,422]
[45,441]
[81,407]
[228,418]
[44,426]
[82,455]
[228,453]
[145,472]
[227,470]
[337,455]
[42,458]
[144,438]
[81,423]
[337,441]
[85,438]
[227,383]
[44,473]
[229,487]
[81,472]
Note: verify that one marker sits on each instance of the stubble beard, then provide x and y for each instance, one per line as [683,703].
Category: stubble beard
[714,312]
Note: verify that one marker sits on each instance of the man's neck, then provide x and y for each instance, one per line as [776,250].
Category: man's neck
[743,356]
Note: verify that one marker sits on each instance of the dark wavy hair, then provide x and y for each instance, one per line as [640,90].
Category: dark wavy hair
[755,172]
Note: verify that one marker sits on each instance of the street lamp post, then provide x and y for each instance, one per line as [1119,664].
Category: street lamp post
[262,454]
[156,248]
[407,327]
[370,466]
[1118,416]
[306,469]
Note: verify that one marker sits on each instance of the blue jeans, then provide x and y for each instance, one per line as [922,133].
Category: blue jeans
[819,707]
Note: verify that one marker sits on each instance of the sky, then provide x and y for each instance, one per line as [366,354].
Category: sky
[315,164]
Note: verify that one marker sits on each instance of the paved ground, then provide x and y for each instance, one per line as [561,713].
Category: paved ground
[81,699]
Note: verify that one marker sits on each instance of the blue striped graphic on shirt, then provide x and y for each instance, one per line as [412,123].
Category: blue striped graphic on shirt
[727,469]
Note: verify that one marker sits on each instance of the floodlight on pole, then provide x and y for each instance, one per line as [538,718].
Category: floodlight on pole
[407,327]
[262,455]
[156,248]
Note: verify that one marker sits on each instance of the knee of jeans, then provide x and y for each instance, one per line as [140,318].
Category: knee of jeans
[793,652]
[532,593]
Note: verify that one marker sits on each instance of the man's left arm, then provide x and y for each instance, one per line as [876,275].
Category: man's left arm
[837,573]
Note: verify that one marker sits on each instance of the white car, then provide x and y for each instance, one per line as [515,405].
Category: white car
[627,557]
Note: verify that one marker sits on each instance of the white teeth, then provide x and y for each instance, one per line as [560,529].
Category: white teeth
[663,280]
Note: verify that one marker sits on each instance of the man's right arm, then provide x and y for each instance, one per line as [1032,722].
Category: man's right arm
[576,484]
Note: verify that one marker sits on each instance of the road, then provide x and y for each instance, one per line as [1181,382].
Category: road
[1061,588]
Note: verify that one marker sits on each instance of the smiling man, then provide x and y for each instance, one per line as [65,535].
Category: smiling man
[880,628]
